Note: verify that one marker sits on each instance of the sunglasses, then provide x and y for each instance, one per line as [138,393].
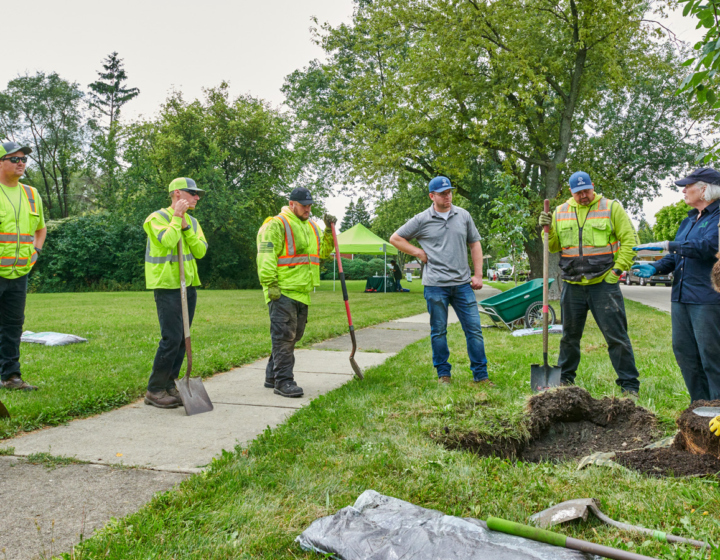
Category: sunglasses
[16,159]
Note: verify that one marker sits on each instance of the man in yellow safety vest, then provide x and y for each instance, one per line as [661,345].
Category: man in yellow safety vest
[22,235]
[165,228]
[595,237]
[289,252]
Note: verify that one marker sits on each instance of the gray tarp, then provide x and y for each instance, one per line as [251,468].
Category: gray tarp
[379,527]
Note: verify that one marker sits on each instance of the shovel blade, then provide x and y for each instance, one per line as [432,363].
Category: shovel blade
[543,377]
[4,411]
[356,369]
[707,411]
[194,396]
[560,513]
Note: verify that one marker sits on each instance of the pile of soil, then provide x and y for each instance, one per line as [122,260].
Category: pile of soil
[695,451]
[568,423]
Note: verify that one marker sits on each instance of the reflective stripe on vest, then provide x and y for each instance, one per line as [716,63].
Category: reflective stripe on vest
[166,258]
[10,261]
[602,212]
[31,198]
[13,237]
[290,258]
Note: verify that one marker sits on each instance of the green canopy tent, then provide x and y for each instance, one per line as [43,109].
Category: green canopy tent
[359,240]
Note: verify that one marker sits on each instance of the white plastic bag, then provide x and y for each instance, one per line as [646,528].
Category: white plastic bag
[51,338]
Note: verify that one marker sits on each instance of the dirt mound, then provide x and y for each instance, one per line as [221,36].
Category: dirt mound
[568,423]
[669,462]
[695,435]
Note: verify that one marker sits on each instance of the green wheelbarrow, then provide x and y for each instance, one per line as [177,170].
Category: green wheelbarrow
[519,307]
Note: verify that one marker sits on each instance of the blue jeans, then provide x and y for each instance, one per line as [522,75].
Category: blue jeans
[462,298]
[695,335]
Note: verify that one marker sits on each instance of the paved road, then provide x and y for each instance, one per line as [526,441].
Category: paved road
[653,296]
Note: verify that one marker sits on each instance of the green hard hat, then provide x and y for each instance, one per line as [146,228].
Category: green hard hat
[185,184]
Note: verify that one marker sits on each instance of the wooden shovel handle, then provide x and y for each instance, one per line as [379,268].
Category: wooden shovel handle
[185,314]
[546,275]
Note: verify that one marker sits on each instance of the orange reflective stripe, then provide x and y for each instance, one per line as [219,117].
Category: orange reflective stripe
[289,237]
[31,198]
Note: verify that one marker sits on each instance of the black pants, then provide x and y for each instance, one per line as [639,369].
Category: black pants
[287,326]
[606,303]
[13,293]
[695,336]
[171,350]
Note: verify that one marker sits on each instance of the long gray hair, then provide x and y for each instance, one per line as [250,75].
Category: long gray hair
[712,192]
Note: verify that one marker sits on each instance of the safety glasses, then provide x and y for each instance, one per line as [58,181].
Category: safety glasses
[16,159]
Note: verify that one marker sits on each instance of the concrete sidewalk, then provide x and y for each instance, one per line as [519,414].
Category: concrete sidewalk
[165,446]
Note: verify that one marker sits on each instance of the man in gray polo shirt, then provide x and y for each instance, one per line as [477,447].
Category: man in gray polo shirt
[445,232]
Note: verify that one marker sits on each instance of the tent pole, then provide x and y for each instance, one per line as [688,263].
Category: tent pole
[385,271]
[334,265]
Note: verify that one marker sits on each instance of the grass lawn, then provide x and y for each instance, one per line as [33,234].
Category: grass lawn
[252,502]
[231,328]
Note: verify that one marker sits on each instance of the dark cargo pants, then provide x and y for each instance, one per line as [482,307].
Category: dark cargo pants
[288,318]
[171,350]
[13,293]
[606,303]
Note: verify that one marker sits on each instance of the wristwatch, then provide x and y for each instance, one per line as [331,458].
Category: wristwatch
[37,249]
[187,227]
[617,271]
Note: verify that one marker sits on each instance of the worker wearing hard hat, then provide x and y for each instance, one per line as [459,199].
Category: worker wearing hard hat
[22,235]
[594,236]
[165,228]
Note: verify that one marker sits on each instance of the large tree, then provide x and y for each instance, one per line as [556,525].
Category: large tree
[535,87]
[44,112]
[668,220]
[108,94]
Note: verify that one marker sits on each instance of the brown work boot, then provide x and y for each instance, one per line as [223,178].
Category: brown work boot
[16,382]
[485,382]
[444,379]
[173,392]
[161,399]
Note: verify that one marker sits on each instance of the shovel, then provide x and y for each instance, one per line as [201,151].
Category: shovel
[579,509]
[4,411]
[192,391]
[543,376]
[707,411]
[355,367]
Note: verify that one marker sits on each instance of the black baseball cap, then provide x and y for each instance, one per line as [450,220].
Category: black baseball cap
[12,147]
[301,195]
[705,174]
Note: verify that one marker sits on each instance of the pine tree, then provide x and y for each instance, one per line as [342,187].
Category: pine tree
[362,216]
[108,95]
[349,218]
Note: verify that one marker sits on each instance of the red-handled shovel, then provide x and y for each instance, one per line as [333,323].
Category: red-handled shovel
[355,367]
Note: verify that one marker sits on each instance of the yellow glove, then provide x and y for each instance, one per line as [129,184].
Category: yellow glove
[611,278]
[274,291]
[715,426]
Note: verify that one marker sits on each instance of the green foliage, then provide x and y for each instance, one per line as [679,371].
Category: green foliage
[668,220]
[356,213]
[44,112]
[95,252]
[108,94]
[645,232]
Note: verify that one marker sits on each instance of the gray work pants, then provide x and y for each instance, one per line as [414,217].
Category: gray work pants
[287,326]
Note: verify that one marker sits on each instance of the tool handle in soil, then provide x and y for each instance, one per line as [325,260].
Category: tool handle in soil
[185,314]
[546,274]
[556,539]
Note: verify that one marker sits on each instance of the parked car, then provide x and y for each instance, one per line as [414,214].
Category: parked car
[629,277]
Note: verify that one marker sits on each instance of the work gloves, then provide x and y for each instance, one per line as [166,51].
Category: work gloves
[644,270]
[715,426]
[328,219]
[545,219]
[274,291]
[656,246]
[611,278]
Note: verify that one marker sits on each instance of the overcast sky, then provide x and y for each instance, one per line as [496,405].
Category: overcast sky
[187,45]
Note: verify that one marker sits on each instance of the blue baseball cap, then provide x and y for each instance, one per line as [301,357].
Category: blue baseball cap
[580,181]
[440,184]
[705,174]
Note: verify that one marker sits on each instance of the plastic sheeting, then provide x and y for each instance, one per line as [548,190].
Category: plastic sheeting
[51,338]
[379,527]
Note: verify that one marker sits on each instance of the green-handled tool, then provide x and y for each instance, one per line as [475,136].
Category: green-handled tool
[556,539]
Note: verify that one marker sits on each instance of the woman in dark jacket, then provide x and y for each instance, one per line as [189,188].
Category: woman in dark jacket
[695,304]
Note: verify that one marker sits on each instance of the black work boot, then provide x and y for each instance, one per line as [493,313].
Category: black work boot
[288,389]
[269,383]
[16,382]
[161,399]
